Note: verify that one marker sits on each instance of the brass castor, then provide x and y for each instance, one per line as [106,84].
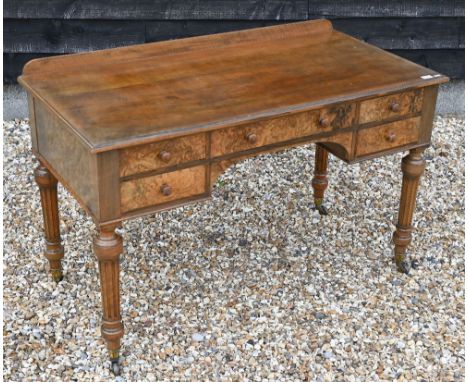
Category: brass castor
[114,358]
[320,207]
[403,265]
[57,275]
[115,367]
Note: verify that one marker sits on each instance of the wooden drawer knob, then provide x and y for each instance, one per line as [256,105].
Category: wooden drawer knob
[165,156]
[395,107]
[251,137]
[166,190]
[390,136]
[323,122]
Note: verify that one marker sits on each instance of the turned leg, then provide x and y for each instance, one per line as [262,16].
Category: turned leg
[413,166]
[54,249]
[320,182]
[107,248]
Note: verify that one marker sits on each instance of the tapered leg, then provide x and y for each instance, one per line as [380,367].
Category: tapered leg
[413,167]
[54,249]
[320,182]
[107,248]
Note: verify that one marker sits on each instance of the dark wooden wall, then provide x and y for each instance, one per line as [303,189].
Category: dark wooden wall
[429,32]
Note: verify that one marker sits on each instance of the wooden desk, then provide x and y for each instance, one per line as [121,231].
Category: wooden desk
[140,129]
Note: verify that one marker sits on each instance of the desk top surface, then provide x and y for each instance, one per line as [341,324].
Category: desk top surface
[126,96]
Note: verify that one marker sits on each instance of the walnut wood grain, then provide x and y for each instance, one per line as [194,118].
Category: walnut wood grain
[69,157]
[343,140]
[32,122]
[140,159]
[379,109]
[413,167]
[427,113]
[107,248]
[108,185]
[148,93]
[148,191]
[235,139]
[387,136]
[54,250]
[320,181]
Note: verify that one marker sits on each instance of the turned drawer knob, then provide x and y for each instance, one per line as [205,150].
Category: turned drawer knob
[166,190]
[165,156]
[251,137]
[390,136]
[323,122]
[395,106]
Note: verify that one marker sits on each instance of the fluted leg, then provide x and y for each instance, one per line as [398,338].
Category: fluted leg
[54,250]
[413,167]
[107,248]
[320,182]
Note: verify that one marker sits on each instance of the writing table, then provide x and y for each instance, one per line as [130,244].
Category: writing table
[135,130]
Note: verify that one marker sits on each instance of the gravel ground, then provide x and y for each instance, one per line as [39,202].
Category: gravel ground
[252,286]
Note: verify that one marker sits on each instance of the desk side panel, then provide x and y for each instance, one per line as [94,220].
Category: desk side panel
[427,113]
[32,122]
[70,161]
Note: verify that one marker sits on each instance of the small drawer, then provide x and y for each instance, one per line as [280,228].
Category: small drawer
[378,109]
[258,134]
[153,156]
[162,188]
[374,139]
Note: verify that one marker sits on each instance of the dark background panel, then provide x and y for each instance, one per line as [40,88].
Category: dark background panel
[430,33]
[386,8]
[228,9]
[71,36]
[158,9]
[446,61]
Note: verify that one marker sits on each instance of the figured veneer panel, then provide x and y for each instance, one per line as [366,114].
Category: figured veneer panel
[153,156]
[394,105]
[238,138]
[387,136]
[341,143]
[338,116]
[144,192]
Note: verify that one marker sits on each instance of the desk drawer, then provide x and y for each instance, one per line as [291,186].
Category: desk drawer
[374,139]
[139,159]
[162,188]
[258,134]
[378,109]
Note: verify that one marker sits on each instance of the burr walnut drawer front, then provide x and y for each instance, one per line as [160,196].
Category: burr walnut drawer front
[394,105]
[258,134]
[388,136]
[153,156]
[162,188]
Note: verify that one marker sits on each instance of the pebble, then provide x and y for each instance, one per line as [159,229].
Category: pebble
[327,355]
[199,337]
[42,355]
[400,345]
[253,285]
[28,314]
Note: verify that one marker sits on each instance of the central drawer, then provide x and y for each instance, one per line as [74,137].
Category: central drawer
[281,129]
[162,188]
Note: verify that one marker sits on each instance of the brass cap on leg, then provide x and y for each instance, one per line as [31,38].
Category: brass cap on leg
[57,275]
